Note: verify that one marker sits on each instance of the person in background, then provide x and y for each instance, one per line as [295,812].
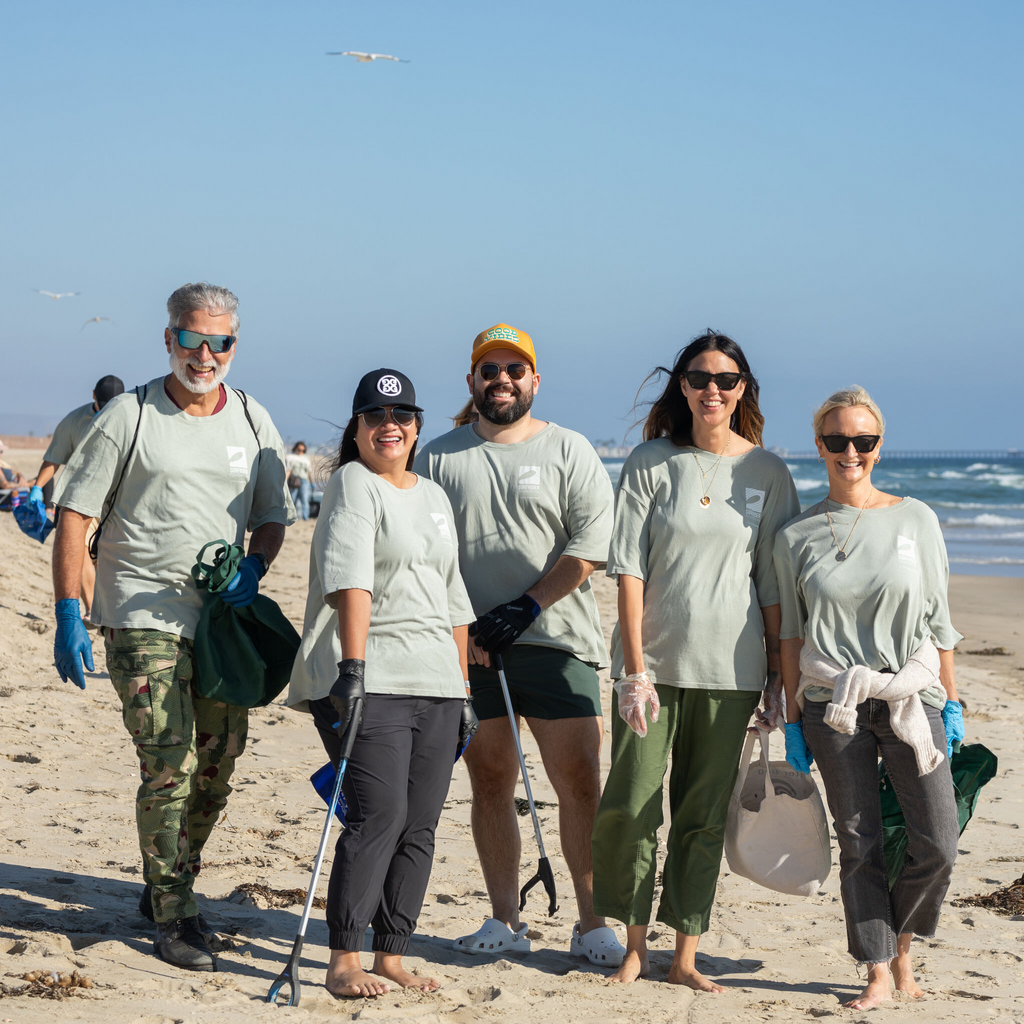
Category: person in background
[467,414]
[697,508]
[300,471]
[867,664]
[533,504]
[67,436]
[386,620]
[171,466]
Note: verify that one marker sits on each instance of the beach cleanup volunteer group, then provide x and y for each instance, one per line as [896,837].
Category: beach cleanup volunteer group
[206,462]
[420,580]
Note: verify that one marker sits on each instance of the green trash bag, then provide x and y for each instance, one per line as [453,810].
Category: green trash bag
[243,656]
[972,766]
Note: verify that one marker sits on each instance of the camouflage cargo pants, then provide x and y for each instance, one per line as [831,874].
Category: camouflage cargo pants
[187,747]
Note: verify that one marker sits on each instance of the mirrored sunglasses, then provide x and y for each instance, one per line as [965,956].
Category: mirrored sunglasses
[373,418]
[193,339]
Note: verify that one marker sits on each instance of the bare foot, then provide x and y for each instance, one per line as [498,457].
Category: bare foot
[877,992]
[903,975]
[692,978]
[355,983]
[389,965]
[634,965]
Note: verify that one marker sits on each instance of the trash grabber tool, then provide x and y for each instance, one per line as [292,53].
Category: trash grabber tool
[544,873]
[290,975]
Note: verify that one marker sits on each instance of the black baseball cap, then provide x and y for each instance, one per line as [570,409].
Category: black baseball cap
[384,387]
[107,388]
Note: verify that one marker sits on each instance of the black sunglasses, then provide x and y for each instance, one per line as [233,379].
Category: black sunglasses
[515,371]
[373,418]
[193,340]
[700,379]
[863,443]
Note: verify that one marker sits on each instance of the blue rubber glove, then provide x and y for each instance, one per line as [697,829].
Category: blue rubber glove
[953,723]
[798,756]
[36,494]
[72,645]
[245,584]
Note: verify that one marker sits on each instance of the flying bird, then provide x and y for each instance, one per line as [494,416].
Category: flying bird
[364,58]
[57,295]
[95,320]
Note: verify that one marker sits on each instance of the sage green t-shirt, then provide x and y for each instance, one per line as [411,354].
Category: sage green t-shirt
[190,480]
[880,604]
[519,508]
[402,547]
[707,571]
[68,434]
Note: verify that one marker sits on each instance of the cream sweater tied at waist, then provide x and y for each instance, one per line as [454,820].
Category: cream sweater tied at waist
[900,690]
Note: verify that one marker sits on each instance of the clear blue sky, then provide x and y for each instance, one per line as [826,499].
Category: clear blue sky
[837,186]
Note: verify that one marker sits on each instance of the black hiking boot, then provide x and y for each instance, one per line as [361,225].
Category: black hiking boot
[213,941]
[182,944]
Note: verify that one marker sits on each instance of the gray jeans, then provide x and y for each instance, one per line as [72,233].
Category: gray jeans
[849,768]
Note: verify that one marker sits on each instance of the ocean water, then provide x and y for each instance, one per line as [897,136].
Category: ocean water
[980,504]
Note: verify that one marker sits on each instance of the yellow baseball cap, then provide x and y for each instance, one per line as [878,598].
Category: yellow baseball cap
[503,336]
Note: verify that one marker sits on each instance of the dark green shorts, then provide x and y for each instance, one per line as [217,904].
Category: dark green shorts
[543,682]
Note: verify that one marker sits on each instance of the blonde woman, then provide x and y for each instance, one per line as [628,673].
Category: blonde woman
[696,512]
[867,664]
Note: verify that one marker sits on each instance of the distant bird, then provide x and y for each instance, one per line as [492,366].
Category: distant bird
[57,295]
[95,320]
[364,58]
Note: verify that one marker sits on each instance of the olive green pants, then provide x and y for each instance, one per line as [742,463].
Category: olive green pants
[703,732]
[187,747]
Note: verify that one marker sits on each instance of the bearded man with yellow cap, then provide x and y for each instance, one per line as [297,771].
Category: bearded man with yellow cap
[533,507]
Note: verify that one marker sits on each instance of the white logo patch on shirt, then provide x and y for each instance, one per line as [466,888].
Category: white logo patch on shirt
[906,550]
[529,479]
[755,505]
[441,522]
[238,462]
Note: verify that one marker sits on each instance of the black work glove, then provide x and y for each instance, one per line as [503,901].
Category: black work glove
[497,630]
[347,690]
[467,727]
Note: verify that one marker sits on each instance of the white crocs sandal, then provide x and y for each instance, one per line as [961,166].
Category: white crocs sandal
[494,936]
[599,946]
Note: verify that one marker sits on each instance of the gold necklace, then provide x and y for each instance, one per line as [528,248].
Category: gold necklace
[841,553]
[704,499]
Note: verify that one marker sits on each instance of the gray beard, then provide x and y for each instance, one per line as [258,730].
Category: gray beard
[178,369]
[502,417]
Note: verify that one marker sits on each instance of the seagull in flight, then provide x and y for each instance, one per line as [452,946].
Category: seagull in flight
[57,295]
[364,58]
[95,320]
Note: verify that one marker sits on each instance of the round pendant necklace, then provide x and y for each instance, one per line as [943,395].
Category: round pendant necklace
[705,500]
[841,553]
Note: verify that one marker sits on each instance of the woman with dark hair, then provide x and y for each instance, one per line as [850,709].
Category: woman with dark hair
[387,619]
[697,508]
[299,468]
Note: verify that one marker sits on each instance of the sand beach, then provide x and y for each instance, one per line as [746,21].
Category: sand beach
[70,875]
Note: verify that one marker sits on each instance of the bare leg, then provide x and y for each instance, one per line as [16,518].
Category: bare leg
[346,977]
[88,581]
[684,969]
[389,965]
[634,963]
[903,970]
[571,750]
[493,770]
[877,991]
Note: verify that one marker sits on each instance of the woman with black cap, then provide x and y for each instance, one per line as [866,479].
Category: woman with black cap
[386,618]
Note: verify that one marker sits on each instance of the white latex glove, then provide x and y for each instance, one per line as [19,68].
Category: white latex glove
[634,692]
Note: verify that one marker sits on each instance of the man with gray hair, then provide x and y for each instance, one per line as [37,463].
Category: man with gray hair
[168,467]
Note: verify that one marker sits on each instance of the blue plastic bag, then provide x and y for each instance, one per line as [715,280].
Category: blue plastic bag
[31,517]
[323,783]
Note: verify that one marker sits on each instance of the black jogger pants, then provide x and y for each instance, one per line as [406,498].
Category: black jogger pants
[395,787]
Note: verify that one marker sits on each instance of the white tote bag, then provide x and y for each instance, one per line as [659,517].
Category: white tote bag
[776,833]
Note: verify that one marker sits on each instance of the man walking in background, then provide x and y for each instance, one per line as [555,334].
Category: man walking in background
[169,467]
[66,438]
[533,505]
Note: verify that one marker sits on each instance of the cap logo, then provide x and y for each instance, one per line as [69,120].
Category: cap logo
[501,334]
[389,385]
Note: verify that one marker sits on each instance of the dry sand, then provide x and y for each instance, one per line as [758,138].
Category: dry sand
[69,866]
